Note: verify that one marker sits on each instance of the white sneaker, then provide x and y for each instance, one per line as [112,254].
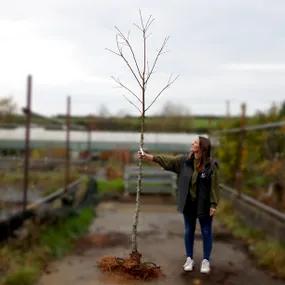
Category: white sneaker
[189,264]
[205,266]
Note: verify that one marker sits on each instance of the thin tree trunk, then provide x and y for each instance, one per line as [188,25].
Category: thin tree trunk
[139,188]
[139,181]
[142,78]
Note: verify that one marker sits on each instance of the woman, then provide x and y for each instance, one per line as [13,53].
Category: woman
[197,194]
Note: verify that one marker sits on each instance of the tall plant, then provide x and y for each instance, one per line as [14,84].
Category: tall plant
[142,73]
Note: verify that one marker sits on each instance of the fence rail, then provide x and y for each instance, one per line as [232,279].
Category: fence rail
[261,127]
[256,214]
[72,188]
[71,198]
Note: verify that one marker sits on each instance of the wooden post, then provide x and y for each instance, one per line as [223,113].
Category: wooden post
[67,147]
[239,174]
[27,111]
[210,120]
[89,139]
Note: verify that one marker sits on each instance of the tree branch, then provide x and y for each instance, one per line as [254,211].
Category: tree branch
[117,80]
[120,49]
[130,47]
[132,103]
[112,51]
[145,26]
[137,26]
[120,54]
[160,52]
[149,22]
[141,19]
[170,82]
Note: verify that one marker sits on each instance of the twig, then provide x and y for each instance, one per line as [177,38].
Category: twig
[170,82]
[137,26]
[149,22]
[160,52]
[132,103]
[141,18]
[131,49]
[120,53]
[117,80]
[112,51]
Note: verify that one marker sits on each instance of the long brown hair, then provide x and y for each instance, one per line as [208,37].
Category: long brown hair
[205,150]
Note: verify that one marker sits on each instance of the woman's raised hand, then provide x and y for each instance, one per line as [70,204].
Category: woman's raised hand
[143,155]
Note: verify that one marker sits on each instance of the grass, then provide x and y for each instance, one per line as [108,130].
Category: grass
[21,262]
[24,276]
[59,239]
[272,254]
[115,185]
[268,253]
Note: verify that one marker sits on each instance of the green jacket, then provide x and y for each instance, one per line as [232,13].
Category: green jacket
[173,163]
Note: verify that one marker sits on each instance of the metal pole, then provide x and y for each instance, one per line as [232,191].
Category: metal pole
[67,148]
[27,141]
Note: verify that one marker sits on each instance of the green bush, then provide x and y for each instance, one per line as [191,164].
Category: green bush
[116,185]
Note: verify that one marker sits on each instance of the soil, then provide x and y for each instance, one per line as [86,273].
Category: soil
[160,240]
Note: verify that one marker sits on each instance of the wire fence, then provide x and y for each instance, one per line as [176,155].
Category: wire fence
[252,160]
[33,175]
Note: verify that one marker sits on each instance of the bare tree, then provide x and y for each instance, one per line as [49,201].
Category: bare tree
[103,111]
[7,108]
[142,75]
[171,109]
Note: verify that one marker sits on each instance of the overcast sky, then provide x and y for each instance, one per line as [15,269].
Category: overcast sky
[222,49]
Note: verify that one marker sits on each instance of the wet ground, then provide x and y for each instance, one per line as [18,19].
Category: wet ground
[160,241]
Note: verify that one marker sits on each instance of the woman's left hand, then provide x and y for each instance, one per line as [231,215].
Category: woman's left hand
[212,211]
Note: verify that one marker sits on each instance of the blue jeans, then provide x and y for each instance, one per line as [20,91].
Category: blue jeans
[206,231]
